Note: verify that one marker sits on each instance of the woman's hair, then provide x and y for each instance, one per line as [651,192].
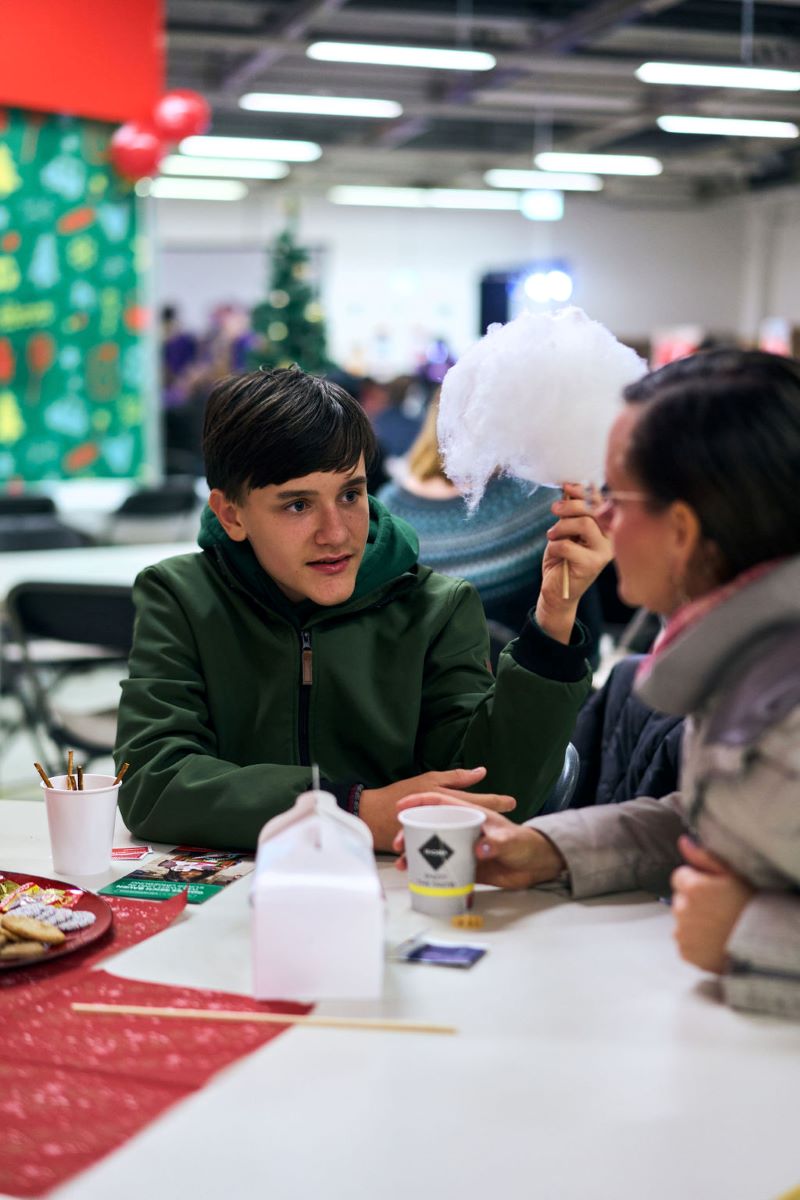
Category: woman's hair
[720,430]
[424,459]
[270,426]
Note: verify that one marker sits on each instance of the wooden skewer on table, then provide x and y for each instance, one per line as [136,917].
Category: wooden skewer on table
[261,1018]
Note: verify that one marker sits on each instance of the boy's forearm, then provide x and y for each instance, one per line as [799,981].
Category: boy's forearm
[205,801]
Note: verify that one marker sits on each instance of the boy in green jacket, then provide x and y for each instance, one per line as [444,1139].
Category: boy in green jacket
[307,632]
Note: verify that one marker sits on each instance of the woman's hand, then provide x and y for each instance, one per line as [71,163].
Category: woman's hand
[509,856]
[707,901]
[578,540]
[379,805]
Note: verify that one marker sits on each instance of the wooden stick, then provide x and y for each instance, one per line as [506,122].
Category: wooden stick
[564,565]
[223,1014]
[43,773]
[121,773]
[70,785]
[80,777]
[70,758]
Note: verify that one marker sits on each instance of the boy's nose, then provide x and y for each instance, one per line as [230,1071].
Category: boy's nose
[332,530]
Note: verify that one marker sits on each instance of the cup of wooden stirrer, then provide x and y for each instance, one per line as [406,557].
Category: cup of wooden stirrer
[80,817]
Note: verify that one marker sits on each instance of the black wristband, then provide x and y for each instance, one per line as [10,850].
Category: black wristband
[354,799]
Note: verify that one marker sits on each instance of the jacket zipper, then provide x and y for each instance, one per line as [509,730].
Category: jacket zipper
[306,679]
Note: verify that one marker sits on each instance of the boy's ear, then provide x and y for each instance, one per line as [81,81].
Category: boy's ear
[228,515]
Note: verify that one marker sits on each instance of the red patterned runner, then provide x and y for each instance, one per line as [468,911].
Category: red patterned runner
[75,1086]
[134,921]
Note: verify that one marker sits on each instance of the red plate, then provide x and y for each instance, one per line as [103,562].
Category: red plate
[87,902]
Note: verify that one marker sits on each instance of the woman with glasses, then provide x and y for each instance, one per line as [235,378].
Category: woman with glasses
[702,504]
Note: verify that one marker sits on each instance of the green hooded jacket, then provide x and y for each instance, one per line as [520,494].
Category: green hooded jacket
[234,691]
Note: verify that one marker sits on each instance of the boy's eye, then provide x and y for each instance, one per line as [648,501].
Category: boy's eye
[297,506]
[351,495]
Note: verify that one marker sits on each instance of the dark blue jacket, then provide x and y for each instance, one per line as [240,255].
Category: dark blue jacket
[626,748]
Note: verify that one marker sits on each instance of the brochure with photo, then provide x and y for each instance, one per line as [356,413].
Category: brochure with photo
[203,872]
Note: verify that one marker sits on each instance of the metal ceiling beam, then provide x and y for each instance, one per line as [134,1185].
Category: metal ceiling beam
[670,41]
[583,27]
[590,93]
[596,19]
[291,26]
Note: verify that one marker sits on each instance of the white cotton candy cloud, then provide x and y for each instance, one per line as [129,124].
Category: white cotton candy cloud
[535,398]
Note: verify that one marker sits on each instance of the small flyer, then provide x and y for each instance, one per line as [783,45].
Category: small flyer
[203,872]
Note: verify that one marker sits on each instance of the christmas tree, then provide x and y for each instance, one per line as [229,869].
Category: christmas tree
[289,324]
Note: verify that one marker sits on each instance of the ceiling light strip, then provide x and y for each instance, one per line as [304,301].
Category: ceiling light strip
[727,126]
[211,146]
[508,177]
[536,205]
[192,189]
[402,56]
[599,164]
[323,106]
[230,168]
[708,75]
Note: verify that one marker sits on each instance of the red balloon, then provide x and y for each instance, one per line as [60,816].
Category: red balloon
[136,150]
[181,114]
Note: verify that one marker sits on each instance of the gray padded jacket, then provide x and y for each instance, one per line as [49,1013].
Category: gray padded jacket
[735,674]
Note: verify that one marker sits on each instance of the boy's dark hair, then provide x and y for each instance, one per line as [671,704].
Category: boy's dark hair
[720,430]
[270,426]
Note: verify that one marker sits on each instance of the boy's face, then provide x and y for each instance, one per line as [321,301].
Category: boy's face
[308,534]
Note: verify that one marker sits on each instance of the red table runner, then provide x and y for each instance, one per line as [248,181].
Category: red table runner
[134,921]
[75,1086]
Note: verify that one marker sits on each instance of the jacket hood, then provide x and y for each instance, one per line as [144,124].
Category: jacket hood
[694,665]
[392,549]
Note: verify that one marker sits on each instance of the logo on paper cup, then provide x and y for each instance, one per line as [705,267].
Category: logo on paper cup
[436,852]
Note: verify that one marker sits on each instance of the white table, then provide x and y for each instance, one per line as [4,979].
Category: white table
[85,564]
[590,1064]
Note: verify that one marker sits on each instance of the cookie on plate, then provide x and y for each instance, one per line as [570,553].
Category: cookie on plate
[32,930]
[23,950]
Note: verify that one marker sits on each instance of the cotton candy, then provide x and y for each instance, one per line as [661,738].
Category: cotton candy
[535,398]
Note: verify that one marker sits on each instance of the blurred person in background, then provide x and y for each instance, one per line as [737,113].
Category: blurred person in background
[498,548]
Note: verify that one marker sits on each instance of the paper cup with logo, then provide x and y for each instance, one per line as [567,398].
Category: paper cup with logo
[81,824]
[440,852]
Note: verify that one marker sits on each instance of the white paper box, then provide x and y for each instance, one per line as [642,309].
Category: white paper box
[317,906]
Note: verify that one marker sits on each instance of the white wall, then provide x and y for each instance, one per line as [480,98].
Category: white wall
[393,278]
[772,224]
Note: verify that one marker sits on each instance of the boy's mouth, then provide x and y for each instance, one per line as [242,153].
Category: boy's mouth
[331,566]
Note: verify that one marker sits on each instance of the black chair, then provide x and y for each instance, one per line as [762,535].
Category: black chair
[166,513]
[170,499]
[26,505]
[38,531]
[93,626]
[564,787]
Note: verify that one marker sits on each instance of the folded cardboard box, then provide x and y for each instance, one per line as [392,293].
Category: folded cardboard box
[317,906]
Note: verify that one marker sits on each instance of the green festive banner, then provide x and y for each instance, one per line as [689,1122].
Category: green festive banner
[73,355]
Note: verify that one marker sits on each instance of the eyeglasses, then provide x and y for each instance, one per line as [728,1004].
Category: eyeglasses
[611,499]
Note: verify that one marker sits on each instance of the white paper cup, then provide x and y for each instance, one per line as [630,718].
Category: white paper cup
[81,824]
[440,852]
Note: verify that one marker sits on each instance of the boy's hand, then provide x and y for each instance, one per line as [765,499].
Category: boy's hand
[379,805]
[707,901]
[577,539]
[509,856]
